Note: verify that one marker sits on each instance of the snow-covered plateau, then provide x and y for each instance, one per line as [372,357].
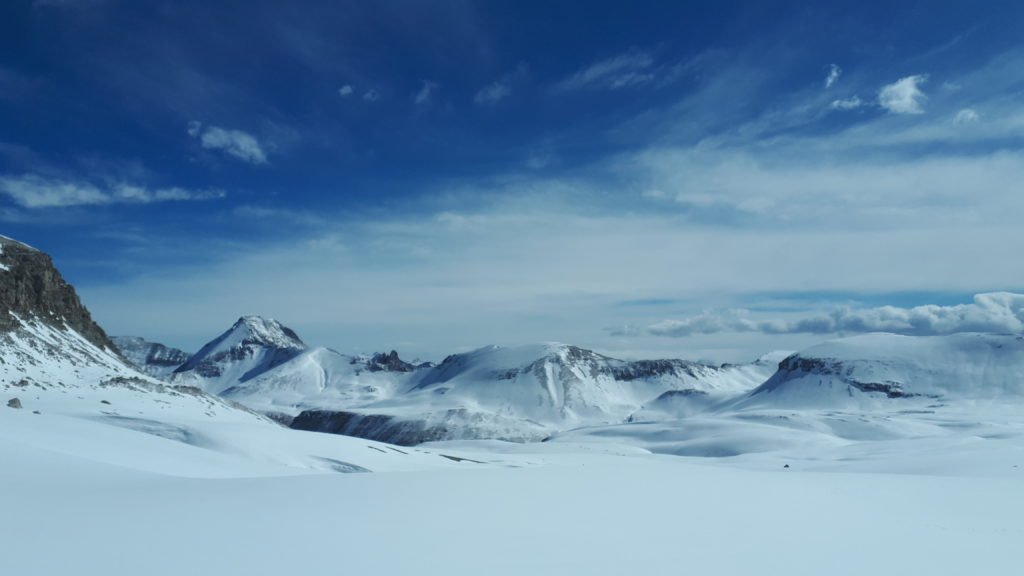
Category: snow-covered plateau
[874,454]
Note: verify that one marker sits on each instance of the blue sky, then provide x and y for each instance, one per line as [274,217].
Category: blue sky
[709,180]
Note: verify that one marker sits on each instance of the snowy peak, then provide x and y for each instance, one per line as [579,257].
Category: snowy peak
[252,346]
[248,333]
[256,330]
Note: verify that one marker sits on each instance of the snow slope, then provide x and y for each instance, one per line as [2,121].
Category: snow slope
[573,513]
[853,399]
[318,378]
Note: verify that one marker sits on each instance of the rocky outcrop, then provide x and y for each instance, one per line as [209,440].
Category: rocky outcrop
[796,365]
[14,403]
[390,362]
[380,427]
[31,287]
[643,369]
[152,358]
[451,424]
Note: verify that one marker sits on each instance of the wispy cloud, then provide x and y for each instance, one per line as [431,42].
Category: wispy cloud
[990,312]
[33,191]
[425,92]
[834,72]
[492,93]
[235,143]
[851,103]
[371,95]
[345,91]
[501,88]
[966,116]
[629,69]
[904,96]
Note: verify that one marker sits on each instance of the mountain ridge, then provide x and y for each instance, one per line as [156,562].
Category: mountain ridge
[32,287]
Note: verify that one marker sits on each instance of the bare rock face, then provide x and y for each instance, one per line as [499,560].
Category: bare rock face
[381,362]
[30,286]
[14,403]
[153,358]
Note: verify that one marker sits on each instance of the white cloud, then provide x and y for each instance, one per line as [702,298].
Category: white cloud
[834,72]
[822,183]
[235,143]
[425,92]
[371,95]
[904,96]
[990,312]
[33,191]
[627,70]
[492,93]
[847,103]
[966,116]
[345,91]
[500,89]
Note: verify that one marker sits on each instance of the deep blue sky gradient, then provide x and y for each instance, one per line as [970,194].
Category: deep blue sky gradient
[101,92]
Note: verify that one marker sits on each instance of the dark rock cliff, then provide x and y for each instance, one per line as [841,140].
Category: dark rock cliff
[31,287]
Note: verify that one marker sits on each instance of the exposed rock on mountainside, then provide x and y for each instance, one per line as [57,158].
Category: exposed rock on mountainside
[381,362]
[54,356]
[452,424]
[152,358]
[31,287]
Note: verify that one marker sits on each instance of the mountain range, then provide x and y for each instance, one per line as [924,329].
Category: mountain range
[259,368]
[521,393]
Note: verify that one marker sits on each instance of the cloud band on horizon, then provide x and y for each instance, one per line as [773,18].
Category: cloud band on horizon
[989,312]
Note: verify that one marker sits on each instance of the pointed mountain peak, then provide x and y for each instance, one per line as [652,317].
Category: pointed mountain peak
[262,331]
[251,346]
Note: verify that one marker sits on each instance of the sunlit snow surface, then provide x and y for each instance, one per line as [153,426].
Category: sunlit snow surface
[134,477]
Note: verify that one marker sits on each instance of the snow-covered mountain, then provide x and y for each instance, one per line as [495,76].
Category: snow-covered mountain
[47,338]
[153,358]
[525,393]
[55,360]
[265,365]
[871,368]
[252,346]
[319,378]
[522,393]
